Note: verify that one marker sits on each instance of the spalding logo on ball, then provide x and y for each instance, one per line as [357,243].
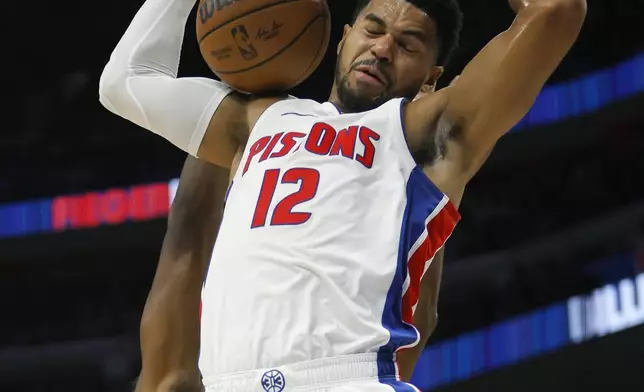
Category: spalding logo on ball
[263,46]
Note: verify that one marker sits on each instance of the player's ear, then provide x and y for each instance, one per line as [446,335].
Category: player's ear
[345,31]
[434,75]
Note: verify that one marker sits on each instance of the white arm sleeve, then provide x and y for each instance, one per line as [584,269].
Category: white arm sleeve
[140,82]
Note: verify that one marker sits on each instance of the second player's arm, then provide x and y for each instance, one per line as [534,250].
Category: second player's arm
[425,316]
[170,322]
[498,87]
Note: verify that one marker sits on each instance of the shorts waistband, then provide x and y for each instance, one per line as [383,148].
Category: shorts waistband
[307,374]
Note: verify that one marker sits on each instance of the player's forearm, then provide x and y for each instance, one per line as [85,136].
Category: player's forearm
[169,327]
[152,42]
[175,382]
[140,82]
[521,5]
[528,53]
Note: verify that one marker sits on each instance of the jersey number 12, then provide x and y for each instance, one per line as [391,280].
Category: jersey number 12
[283,214]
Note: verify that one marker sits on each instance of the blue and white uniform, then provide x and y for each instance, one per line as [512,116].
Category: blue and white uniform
[328,229]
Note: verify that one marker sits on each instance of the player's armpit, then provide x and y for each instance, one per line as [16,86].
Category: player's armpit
[498,87]
[425,316]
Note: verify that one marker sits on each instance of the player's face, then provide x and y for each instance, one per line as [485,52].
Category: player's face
[389,52]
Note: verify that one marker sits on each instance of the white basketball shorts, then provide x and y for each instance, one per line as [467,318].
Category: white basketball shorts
[351,373]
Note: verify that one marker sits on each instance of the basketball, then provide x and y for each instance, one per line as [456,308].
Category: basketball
[262,46]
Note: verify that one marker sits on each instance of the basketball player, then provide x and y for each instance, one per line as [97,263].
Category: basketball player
[170,324]
[303,292]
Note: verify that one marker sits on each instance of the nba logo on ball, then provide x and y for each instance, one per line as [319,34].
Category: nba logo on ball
[246,48]
[273,381]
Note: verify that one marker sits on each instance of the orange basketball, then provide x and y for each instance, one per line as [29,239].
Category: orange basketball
[261,46]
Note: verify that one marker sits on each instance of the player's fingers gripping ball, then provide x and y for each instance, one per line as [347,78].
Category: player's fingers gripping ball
[260,46]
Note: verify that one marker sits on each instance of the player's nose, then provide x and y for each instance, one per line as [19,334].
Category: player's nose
[383,47]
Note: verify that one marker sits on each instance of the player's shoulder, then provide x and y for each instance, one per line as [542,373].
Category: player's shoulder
[291,108]
[295,110]
[300,105]
[312,108]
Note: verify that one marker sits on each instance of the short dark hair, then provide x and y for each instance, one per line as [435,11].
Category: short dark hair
[447,16]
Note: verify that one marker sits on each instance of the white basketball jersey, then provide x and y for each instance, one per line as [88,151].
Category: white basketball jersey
[328,227]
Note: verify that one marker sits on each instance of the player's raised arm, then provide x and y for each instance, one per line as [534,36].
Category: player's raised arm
[498,87]
[140,84]
[170,322]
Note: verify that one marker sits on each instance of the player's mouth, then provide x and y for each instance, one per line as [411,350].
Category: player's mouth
[370,75]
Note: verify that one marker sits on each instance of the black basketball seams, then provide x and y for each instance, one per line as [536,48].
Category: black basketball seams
[322,37]
[282,50]
[212,30]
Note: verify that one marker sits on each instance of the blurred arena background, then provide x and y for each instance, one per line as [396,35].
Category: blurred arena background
[543,287]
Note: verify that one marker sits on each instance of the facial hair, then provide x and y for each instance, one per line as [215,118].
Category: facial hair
[350,101]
